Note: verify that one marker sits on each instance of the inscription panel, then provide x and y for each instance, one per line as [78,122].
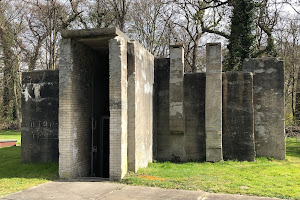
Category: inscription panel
[40,116]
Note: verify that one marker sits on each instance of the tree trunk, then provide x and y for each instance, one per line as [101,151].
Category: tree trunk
[195,53]
[11,77]
[297,106]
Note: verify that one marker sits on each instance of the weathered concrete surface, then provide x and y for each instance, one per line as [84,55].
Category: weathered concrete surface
[118,107]
[83,189]
[140,106]
[194,116]
[40,116]
[176,89]
[75,64]
[213,103]
[269,118]
[238,117]
[191,144]
[168,146]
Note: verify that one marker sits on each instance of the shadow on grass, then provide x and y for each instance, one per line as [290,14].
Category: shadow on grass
[293,147]
[12,167]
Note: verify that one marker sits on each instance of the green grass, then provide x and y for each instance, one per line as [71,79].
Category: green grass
[8,134]
[16,176]
[264,177]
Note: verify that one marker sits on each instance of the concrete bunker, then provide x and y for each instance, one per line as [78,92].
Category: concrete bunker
[104,114]
[94,106]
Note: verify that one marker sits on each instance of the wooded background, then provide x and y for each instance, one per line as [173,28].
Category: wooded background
[30,38]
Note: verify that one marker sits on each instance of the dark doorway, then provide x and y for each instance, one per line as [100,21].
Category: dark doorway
[100,118]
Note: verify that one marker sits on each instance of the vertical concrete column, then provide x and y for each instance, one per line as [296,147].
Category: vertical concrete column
[118,108]
[66,153]
[176,89]
[213,103]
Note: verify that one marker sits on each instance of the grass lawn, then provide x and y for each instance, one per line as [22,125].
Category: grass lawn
[264,177]
[16,176]
[11,135]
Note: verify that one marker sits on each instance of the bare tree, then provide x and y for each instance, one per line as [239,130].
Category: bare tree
[196,18]
[44,20]
[266,21]
[98,16]
[119,10]
[287,37]
[149,24]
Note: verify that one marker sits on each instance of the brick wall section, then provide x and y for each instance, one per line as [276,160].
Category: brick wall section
[238,117]
[176,89]
[213,103]
[140,116]
[194,116]
[118,107]
[76,62]
[40,116]
[268,97]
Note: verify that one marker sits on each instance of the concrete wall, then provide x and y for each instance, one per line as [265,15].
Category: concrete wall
[238,116]
[75,64]
[191,144]
[118,107]
[194,116]
[161,110]
[268,97]
[40,116]
[140,111]
[168,146]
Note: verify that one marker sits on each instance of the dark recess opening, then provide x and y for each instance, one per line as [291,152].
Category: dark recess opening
[100,118]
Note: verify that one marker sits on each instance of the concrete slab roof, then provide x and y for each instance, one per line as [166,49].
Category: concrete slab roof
[95,38]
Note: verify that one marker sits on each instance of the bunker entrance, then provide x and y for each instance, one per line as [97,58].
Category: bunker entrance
[89,98]
[100,117]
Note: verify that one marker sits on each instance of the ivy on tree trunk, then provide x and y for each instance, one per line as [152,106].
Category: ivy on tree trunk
[241,38]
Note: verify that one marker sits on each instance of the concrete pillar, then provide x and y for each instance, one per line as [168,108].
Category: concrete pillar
[176,89]
[213,103]
[117,108]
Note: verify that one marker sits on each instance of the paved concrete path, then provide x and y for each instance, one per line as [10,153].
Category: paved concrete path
[84,189]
